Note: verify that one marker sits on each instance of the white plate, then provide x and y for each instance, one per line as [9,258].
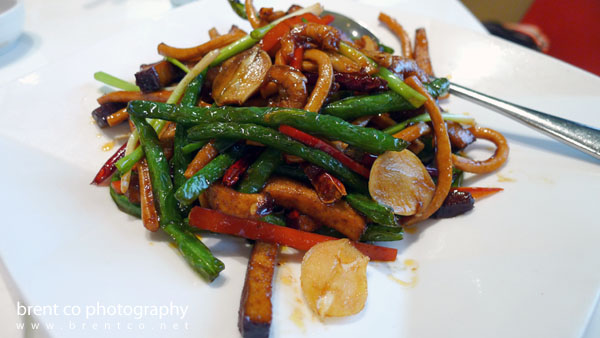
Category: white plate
[524,263]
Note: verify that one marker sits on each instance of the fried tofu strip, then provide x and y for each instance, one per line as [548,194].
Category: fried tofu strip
[234,203]
[256,309]
[294,195]
[255,306]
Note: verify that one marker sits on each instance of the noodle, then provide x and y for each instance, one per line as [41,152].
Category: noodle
[319,94]
[492,163]
[442,155]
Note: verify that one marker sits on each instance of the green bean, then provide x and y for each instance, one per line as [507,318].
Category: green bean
[222,144]
[195,185]
[373,233]
[192,147]
[192,249]
[326,231]
[192,90]
[238,8]
[159,171]
[376,233]
[195,252]
[438,87]
[354,107]
[357,106]
[277,140]
[180,160]
[291,171]
[128,161]
[426,118]
[258,173]
[371,140]
[123,202]
[273,219]
[339,95]
[374,211]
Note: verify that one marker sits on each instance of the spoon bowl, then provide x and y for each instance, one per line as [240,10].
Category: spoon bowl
[351,28]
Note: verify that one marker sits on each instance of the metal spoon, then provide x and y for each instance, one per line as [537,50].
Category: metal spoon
[576,135]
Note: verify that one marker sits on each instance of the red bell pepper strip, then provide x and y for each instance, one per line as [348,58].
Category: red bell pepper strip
[314,142]
[298,58]
[109,166]
[479,192]
[116,185]
[271,39]
[215,221]
[327,19]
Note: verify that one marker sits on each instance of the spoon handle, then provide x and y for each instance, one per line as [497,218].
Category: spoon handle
[579,136]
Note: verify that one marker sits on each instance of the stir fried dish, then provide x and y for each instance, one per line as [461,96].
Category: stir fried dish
[296,135]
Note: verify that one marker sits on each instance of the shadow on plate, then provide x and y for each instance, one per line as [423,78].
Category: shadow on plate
[95,3]
[19,48]
[550,146]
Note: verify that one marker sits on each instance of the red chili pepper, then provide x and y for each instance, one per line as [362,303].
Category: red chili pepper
[292,219]
[329,188]
[293,214]
[479,192]
[271,39]
[109,166]
[233,173]
[314,142]
[368,160]
[298,58]
[215,221]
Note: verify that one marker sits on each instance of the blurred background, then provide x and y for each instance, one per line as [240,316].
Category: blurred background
[567,30]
